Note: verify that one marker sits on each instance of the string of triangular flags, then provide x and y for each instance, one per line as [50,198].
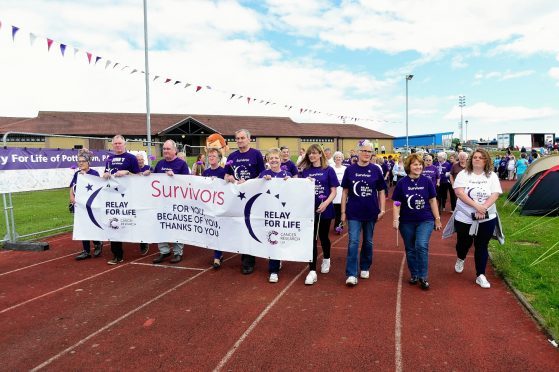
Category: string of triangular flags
[94,59]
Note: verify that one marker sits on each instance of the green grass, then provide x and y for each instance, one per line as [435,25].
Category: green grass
[36,211]
[538,283]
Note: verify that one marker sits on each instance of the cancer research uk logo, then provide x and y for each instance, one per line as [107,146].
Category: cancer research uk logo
[116,210]
[269,220]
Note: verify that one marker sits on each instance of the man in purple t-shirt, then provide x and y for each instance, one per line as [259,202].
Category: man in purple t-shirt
[170,165]
[119,164]
[287,163]
[244,164]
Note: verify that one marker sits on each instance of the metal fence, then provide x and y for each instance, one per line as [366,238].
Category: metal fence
[33,214]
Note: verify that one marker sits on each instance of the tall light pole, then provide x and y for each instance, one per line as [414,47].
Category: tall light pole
[408,78]
[461,103]
[466,130]
[146,62]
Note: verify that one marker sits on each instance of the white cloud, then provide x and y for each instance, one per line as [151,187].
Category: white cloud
[554,73]
[458,62]
[506,75]
[483,112]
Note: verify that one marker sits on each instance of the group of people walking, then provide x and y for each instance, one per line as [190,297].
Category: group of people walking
[354,194]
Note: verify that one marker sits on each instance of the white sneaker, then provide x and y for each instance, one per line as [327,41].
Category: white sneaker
[351,281]
[311,278]
[325,267]
[459,265]
[273,278]
[364,274]
[481,280]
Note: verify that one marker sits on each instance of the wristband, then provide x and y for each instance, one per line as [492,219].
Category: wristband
[396,220]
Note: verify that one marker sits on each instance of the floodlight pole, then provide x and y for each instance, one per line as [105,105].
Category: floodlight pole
[466,130]
[408,78]
[461,103]
[146,62]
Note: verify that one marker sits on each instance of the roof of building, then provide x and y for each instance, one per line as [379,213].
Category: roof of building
[104,123]
[425,135]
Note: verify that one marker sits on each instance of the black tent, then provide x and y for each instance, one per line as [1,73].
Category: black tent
[543,197]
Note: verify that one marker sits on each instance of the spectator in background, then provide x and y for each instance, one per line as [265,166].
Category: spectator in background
[142,164]
[511,167]
[456,168]
[301,155]
[84,158]
[329,158]
[444,185]
[398,170]
[339,168]
[521,165]
[430,171]
[496,163]
[120,164]
[286,161]
[200,165]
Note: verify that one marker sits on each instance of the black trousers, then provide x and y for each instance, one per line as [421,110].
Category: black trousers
[85,245]
[323,229]
[442,192]
[338,215]
[116,248]
[247,261]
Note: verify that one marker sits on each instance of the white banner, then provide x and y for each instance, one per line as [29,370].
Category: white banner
[270,219]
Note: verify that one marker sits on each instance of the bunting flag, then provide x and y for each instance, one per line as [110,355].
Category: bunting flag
[0,24]
[33,37]
[14,32]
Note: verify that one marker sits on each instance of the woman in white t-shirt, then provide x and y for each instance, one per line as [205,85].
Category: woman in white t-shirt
[477,188]
[340,170]
[511,167]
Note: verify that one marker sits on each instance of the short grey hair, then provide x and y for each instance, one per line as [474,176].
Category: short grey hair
[245,131]
[463,154]
[442,154]
[173,143]
[338,153]
[119,136]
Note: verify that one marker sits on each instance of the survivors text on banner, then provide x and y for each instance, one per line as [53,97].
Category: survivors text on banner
[271,219]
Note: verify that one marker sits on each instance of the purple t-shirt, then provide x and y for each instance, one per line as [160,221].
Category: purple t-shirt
[281,174]
[291,168]
[362,184]
[177,165]
[75,178]
[145,168]
[245,165]
[443,169]
[218,172]
[124,161]
[432,173]
[414,196]
[324,180]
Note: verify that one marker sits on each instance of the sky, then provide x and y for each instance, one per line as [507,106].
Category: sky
[319,61]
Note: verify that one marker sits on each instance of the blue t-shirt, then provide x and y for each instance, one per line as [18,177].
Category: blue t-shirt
[218,172]
[414,194]
[75,178]
[362,184]
[177,165]
[291,168]
[125,161]
[281,174]
[324,180]
[444,168]
[521,166]
[245,165]
[432,173]
[145,168]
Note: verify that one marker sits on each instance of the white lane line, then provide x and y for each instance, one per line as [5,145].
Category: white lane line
[398,322]
[68,286]
[249,330]
[116,321]
[39,263]
[167,266]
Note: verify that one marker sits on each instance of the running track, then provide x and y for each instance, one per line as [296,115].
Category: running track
[59,314]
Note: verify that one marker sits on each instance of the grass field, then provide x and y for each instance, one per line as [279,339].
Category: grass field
[527,238]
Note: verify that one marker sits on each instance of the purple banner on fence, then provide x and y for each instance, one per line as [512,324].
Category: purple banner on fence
[29,158]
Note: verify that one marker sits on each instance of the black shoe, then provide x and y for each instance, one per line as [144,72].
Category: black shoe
[161,257]
[413,280]
[115,261]
[176,259]
[98,249]
[248,270]
[83,256]
[144,248]
[424,284]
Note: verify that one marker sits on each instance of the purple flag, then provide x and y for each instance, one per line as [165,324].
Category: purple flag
[14,32]
[62,49]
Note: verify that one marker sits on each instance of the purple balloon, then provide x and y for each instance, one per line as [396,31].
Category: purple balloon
[397,203]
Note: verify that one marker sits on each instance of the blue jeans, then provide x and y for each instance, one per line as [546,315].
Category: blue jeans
[366,256]
[416,237]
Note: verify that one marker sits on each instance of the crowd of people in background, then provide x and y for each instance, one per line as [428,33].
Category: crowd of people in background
[351,190]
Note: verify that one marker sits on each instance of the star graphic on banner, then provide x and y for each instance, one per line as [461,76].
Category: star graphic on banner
[116,188]
[108,185]
[122,195]
[241,195]
[89,187]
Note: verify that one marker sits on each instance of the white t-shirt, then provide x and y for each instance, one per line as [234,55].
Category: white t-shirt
[478,188]
[331,162]
[340,174]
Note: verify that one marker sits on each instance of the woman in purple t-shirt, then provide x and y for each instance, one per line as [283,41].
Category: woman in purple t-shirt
[415,213]
[315,167]
[363,203]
